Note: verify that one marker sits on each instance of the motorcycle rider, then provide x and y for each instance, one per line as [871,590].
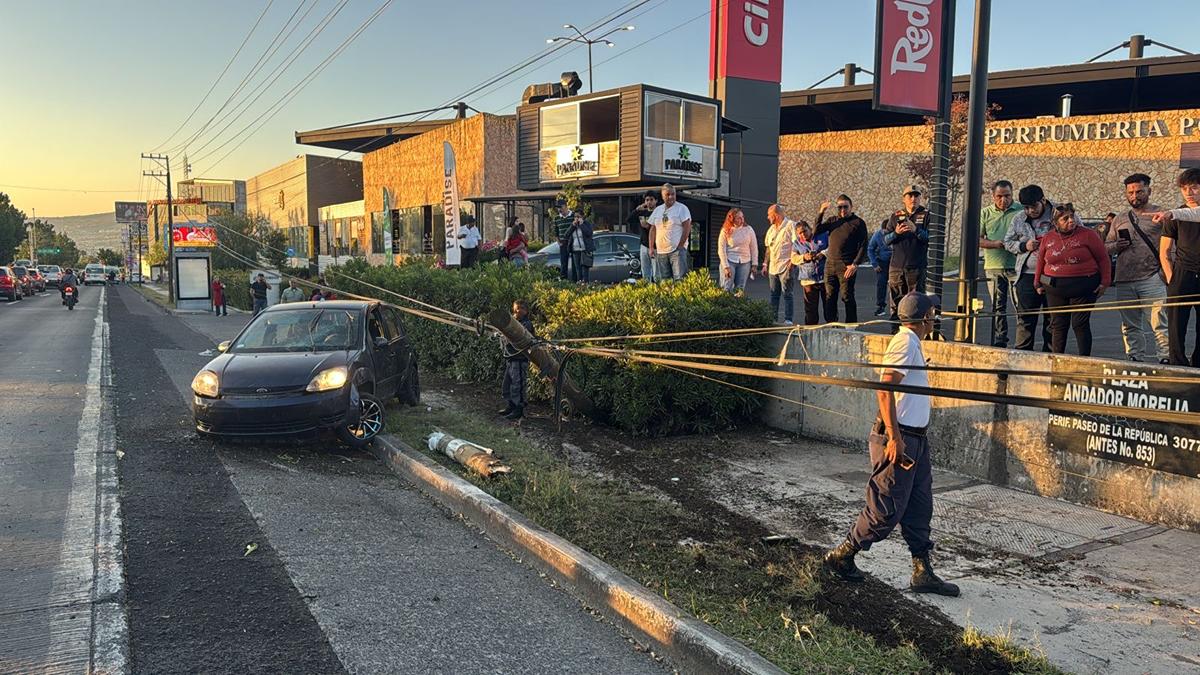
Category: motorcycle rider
[68,279]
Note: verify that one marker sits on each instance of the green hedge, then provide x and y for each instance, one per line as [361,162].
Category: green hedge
[637,397]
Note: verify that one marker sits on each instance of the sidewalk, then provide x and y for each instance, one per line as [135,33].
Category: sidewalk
[1099,593]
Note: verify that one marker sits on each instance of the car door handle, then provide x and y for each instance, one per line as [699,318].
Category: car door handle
[610,260]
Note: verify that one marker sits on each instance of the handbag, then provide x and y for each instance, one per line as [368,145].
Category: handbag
[586,258]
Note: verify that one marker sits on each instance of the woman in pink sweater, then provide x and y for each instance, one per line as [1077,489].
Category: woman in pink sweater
[1073,270]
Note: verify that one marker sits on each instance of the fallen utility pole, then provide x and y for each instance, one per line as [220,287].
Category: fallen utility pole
[542,357]
[474,457]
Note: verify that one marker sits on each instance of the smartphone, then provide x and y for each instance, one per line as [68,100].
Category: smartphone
[905,462]
[1124,234]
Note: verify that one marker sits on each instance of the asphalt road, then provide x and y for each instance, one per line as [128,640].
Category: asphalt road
[48,482]
[308,557]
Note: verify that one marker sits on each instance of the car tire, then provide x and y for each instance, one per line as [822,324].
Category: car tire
[411,393]
[370,424]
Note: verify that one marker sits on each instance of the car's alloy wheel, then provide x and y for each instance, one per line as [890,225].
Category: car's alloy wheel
[370,422]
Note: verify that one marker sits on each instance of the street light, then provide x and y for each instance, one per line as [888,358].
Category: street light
[585,40]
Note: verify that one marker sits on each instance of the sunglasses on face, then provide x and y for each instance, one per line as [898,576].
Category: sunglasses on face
[843,206]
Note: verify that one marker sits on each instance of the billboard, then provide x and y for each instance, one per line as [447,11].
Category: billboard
[194,236]
[130,212]
[910,51]
[746,40]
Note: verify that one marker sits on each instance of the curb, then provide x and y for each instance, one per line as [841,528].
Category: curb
[691,645]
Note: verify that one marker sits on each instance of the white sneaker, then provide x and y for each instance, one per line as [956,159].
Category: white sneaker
[788,323]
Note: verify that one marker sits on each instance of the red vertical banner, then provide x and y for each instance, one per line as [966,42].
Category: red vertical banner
[746,40]
[910,48]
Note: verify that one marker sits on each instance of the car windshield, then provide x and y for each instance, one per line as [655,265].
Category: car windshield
[301,330]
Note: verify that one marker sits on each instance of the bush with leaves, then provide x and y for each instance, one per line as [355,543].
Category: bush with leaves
[641,398]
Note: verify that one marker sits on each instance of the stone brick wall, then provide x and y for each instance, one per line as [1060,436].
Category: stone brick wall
[869,164]
[484,149]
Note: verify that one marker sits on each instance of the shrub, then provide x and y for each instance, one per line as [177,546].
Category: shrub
[641,398]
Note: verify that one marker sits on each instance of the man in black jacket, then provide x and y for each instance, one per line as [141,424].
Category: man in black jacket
[908,237]
[639,223]
[516,367]
[847,250]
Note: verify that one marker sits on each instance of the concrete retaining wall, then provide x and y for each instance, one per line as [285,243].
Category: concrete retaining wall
[1002,444]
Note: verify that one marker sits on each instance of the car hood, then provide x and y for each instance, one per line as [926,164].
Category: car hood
[281,371]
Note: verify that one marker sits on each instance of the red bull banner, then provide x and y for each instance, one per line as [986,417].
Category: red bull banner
[910,48]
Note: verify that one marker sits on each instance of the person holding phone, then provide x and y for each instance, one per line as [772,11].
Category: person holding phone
[900,491]
[1073,271]
[1025,233]
[1138,279]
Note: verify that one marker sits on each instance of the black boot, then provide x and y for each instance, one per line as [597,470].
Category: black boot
[925,581]
[517,413]
[840,561]
[507,409]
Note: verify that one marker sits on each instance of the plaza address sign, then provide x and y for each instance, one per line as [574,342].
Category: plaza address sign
[1061,132]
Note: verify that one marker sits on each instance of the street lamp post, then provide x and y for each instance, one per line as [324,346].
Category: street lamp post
[585,40]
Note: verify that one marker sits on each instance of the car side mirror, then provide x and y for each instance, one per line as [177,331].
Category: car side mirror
[380,342]
[223,347]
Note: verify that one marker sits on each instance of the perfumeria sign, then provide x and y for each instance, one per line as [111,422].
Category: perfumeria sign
[1060,132]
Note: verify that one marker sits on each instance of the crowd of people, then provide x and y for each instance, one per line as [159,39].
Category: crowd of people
[1037,255]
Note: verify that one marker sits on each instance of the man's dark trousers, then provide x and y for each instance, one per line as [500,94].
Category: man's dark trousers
[1183,283]
[1029,306]
[898,496]
[836,285]
[901,282]
[564,257]
[516,374]
[881,289]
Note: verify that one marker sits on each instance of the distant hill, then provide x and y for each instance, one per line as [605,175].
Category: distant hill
[91,232]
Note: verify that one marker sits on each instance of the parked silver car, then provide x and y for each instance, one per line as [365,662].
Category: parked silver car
[615,259]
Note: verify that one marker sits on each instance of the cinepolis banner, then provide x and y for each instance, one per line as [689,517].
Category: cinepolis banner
[746,40]
[910,46]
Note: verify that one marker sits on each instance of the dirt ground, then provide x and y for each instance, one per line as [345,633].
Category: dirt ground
[694,473]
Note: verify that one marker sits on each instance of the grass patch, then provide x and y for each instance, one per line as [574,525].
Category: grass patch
[758,595]
[150,295]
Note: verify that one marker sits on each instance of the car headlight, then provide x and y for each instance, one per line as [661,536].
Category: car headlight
[329,379]
[205,384]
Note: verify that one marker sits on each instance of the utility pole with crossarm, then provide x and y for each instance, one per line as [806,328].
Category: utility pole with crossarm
[165,162]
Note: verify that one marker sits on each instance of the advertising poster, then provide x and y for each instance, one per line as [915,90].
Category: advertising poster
[910,38]
[450,205]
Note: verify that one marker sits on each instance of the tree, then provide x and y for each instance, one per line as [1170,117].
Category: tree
[12,228]
[46,238]
[921,167]
[274,243]
[237,236]
[108,256]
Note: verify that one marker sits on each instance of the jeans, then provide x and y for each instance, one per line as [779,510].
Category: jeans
[647,264]
[672,265]
[1077,293]
[1001,288]
[781,284]
[516,375]
[814,294]
[1133,320]
[897,496]
[564,258]
[881,289]
[259,304]
[579,271]
[837,285]
[1029,307]
[1183,282]
[736,281]
[470,256]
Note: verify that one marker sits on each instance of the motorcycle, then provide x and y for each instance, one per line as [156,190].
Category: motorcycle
[633,262]
[69,297]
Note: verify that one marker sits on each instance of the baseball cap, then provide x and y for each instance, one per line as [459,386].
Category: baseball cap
[914,306]
[910,189]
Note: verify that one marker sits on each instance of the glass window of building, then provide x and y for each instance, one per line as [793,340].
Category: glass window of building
[700,123]
[559,125]
[662,116]
[600,120]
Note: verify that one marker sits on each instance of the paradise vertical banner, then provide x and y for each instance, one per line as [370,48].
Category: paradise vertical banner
[910,47]
[450,205]
[386,225]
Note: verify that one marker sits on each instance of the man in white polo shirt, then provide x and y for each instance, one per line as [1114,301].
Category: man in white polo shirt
[670,228]
[900,491]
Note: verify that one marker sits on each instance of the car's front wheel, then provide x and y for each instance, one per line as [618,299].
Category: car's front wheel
[369,425]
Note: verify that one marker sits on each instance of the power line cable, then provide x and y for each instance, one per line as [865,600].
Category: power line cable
[268,53]
[223,71]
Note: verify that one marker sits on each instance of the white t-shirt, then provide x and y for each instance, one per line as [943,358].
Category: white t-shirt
[668,234]
[779,246]
[472,238]
[912,410]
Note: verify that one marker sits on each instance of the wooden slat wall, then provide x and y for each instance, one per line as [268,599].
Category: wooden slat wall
[631,134]
[527,147]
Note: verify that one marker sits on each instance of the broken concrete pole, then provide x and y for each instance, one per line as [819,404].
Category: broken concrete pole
[474,457]
[542,357]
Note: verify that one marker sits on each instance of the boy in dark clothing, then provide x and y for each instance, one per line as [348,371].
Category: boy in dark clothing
[516,367]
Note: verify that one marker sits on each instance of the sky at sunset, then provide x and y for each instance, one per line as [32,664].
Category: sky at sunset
[90,85]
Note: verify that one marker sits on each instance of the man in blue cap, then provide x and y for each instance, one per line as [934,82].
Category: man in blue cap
[900,491]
